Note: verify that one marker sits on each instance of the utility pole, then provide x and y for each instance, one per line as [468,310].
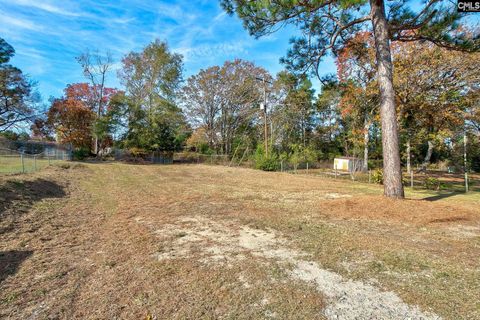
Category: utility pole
[263,106]
[265,116]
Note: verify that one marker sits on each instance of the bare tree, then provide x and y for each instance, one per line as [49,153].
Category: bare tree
[222,101]
[95,68]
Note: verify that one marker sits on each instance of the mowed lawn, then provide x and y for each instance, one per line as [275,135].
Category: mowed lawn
[118,241]
[14,165]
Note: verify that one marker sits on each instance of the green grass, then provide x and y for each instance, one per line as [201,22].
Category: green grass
[13,164]
[450,191]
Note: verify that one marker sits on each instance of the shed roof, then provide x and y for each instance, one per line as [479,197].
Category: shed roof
[348,158]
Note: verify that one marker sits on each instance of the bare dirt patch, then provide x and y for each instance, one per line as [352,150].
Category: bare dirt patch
[223,243]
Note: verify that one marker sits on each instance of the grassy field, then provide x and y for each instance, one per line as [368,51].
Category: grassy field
[13,164]
[450,182]
[207,242]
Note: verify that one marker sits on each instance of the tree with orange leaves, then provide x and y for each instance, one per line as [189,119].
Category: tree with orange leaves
[356,72]
[434,89]
[72,122]
[87,95]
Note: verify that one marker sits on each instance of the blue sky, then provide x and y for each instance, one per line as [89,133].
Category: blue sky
[47,36]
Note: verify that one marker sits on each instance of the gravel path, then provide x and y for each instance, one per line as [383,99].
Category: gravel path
[231,243]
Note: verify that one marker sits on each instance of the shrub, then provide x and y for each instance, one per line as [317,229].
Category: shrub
[138,152]
[204,148]
[80,154]
[301,154]
[377,176]
[267,164]
[137,155]
[432,183]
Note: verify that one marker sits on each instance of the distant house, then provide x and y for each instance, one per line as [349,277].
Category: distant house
[350,164]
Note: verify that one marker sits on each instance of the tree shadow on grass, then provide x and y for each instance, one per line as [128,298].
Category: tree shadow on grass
[442,196]
[10,261]
[18,196]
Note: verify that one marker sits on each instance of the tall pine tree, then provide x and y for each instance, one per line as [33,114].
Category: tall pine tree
[327,25]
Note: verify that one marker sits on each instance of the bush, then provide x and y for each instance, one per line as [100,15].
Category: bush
[432,183]
[138,152]
[204,148]
[80,154]
[377,176]
[137,155]
[267,164]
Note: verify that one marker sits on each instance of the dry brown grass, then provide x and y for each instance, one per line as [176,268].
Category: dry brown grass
[72,246]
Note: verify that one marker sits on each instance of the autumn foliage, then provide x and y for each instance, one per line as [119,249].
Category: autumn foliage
[72,121]
[89,95]
[73,116]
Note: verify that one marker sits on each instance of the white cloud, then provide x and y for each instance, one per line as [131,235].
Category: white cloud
[220,17]
[212,51]
[45,6]
[8,22]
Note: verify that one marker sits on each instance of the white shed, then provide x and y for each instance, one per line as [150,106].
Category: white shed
[349,164]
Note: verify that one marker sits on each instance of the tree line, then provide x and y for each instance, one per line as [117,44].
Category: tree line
[405,91]
[217,110]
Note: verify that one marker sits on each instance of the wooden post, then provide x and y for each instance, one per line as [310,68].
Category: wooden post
[335,171]
[307,167]
[35,163]
[49,161]
[369,176]
[411,179]
[281,165]
[23,163]
[465,167]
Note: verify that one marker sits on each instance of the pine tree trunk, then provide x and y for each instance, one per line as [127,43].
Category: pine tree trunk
[392,173]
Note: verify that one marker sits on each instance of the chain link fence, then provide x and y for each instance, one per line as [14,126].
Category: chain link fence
[12,161]
[435,180]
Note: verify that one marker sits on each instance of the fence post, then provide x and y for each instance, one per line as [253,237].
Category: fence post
[35,163]
[49,162]
[465,164]
[23,163]
[411,179]
[281,165]
[307,167]
[369,176]
[335,171]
